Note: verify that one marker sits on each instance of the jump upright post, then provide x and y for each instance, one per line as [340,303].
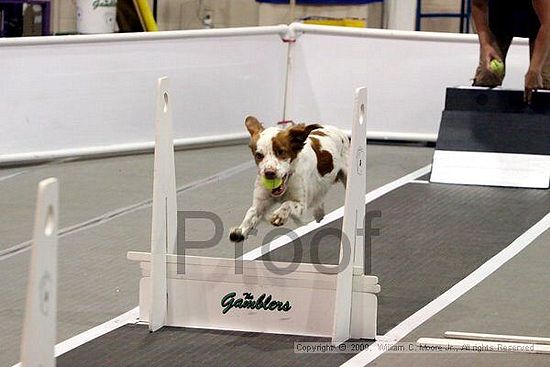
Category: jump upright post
[164,221]
[39,326]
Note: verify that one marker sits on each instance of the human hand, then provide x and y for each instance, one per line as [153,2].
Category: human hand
[533,81]
[485,76]
[489,52]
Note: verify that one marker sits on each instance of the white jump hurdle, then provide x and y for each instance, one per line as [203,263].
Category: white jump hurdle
[39,326]
[214,293]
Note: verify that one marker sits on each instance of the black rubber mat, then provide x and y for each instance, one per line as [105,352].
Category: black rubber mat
[495,100]
[518,133]
[135,346]
[431,237]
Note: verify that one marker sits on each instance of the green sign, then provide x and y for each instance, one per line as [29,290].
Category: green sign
[104,4]
[266,303]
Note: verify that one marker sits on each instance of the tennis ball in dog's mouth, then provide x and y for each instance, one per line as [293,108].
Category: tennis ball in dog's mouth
[497,67]
[271,184]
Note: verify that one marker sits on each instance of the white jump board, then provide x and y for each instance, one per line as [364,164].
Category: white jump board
[492,169]
[302,301]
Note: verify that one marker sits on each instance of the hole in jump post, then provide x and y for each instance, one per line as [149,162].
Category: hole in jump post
[165,95]
[49,224]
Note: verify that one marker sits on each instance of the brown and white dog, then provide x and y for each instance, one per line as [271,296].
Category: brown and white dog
[308,158]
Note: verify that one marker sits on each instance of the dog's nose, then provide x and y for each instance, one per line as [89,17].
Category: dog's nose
[270,175]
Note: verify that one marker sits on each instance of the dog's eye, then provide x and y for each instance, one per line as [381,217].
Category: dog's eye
[280,152]
[259,156]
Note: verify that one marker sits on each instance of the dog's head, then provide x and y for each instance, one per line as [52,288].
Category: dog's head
[276,149]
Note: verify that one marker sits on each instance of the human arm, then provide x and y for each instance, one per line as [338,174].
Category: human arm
[541,49]
[489,49]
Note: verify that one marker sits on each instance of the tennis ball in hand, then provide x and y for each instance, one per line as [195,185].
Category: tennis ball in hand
[271,184]
[497,67]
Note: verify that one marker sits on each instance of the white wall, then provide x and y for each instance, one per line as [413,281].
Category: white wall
[406,74]
[76,95]
[82,94]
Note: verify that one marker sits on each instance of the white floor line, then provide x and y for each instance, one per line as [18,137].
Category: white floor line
[451,295]
[420,182]
[336,214]
[89,335]
[7,177]
[37,167]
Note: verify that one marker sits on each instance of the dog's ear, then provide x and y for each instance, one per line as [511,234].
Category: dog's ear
[253,125]
[299,133]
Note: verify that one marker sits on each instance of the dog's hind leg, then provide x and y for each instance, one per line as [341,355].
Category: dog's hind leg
[342,176]
[319,212]
[287,209]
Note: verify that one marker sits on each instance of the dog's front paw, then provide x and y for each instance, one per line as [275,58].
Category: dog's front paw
[279,217]
[236,235]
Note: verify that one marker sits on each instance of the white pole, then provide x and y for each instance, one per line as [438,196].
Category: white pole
[39,327]
[164,222]
[497,337]
[401,14]
[292,11]
[147,36]
[353,241]
[290,39]
[482,345]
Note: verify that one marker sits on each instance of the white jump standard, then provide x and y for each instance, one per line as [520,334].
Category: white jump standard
[39,327]
[215,293]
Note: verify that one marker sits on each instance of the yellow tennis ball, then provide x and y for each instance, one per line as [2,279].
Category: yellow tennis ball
[271,184]
[497,67]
